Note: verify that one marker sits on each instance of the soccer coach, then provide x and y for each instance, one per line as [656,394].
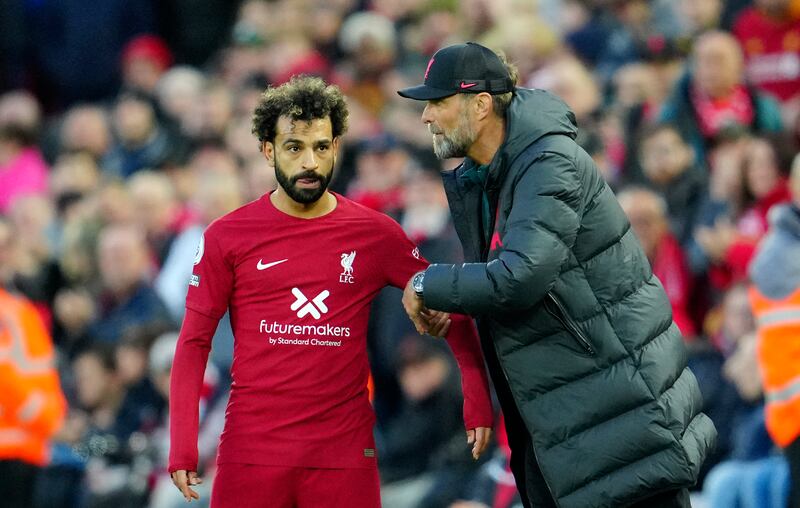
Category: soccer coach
[589,367]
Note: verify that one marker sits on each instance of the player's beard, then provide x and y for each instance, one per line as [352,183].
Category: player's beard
[457,143]
[304,196]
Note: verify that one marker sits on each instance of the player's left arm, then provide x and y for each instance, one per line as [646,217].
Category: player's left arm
[461,335]
[478,412]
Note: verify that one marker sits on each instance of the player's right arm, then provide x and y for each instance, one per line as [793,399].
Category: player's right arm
[206,302]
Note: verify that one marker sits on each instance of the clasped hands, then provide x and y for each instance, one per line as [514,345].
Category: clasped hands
[426,321]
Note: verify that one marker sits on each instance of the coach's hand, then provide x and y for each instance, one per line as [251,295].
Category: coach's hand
[479,439]
[438,322]
[183,479]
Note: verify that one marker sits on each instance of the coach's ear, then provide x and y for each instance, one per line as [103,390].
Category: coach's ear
[268,149]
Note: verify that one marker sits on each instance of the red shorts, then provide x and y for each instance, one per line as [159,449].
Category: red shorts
[256,486]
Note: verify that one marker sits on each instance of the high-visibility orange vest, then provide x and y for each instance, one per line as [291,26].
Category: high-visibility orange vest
[778,327]
[32,406]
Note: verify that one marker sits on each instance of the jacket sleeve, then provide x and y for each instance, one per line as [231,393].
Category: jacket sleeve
[540,233]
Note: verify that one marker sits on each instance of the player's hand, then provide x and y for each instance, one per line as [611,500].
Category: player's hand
[438,322]
[183,480]
[413,305]
[479,439]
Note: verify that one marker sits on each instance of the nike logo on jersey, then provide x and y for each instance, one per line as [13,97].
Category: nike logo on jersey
[262,266]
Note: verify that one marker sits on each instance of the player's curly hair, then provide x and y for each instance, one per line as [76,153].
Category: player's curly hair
[302,98]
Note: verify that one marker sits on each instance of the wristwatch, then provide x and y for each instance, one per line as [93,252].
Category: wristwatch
[416,283]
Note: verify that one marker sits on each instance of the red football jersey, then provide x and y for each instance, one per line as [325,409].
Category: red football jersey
[772,52]
[299,293]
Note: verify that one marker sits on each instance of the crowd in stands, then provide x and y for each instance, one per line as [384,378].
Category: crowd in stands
[125,131]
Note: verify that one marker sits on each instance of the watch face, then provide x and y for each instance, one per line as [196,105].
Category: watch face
[416,283]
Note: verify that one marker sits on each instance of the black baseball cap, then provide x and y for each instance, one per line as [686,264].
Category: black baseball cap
[461,68]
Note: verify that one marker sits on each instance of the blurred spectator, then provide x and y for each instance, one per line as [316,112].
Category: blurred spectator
[770,38]
[370,40]
[701,15]
[525,38]
[635,25]
[145,58]
[259,179]
[670,169]
[724,200]
[753,476]
[216,195]
[21,109]
[74,178]
[713,95]
[731,241]
[623,30]
[85,129]
[636,84]
[142,142]
[37,273]
[178,92]
[212,417]
[765,185]
[128,299]
[381,168]
[109,424]
[568,78]
[426,217]
[158,212]
[32,406]
[84,213]
[647,213]
[639,92]
[9,253]
[775,297]
[239,139]
[213,159]
[215,113]
[427,435]
[132,355]
[727,325]
[22,168]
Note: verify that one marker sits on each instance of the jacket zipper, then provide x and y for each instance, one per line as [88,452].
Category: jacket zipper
[565,320]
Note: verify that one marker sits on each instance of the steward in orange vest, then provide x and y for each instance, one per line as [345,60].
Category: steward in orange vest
[775,300]
[778,324]
[32,406]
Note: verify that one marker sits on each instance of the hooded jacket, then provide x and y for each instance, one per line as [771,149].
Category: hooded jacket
[582,329]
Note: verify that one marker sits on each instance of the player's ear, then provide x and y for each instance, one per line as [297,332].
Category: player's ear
[335,145]
[268,149]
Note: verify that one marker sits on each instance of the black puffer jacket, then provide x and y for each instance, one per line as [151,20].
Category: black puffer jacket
[582,328]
